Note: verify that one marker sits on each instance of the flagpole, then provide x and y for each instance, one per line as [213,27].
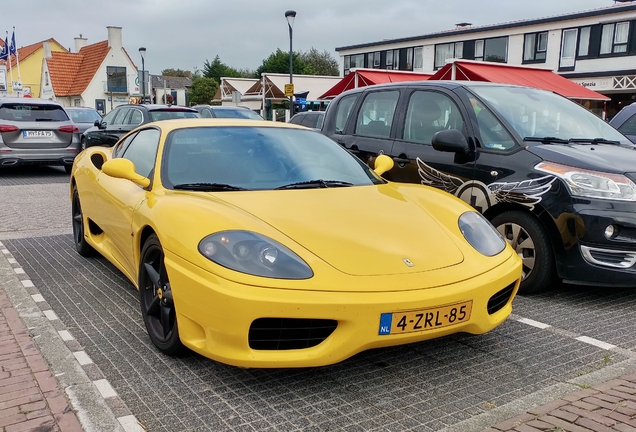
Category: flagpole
[6,42]
[17,57]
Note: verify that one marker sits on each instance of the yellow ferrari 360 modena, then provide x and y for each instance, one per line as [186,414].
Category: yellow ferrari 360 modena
[261,244]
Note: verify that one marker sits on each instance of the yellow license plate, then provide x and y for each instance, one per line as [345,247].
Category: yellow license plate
[425,319]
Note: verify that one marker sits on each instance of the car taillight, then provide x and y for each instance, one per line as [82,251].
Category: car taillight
[69,129]
[8,128]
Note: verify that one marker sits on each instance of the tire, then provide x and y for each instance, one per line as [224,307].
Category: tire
[529,239]
[68,168]
[82,247]
[155,296]
[83,144]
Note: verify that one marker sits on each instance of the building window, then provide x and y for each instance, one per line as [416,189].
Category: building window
[568,47]
[409,59]
[46,78]
[535,46]
[444,52]
[389,59]
[116,82]
[479,49]
[496,50]
[396,59]
[77,102]
[376,59]
[347,64]
[584,41]
[353,61]
[418,58]
[614,38]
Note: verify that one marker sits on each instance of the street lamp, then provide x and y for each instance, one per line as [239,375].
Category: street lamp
[142,52]
[290,15]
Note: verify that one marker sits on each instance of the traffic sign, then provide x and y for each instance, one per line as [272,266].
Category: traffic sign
[289,90]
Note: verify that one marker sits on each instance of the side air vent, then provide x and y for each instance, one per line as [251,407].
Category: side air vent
[289,333]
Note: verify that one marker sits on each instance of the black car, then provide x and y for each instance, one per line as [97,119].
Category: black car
[124,118]
[555,180]
[310,119]
[625,121]
[219,111]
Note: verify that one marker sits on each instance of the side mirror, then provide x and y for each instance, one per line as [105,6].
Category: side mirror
[450,140]
[124,169]
[382,164]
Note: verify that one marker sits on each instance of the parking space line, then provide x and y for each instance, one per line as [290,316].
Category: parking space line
[105,389]
[533,323]
[65,335]
[50,315]
[130,424]
[82,358]
[27,283]
[596,342]
[37,298]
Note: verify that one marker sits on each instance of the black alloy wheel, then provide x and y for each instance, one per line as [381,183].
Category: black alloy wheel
[82,247]
[157,304]
[528,238]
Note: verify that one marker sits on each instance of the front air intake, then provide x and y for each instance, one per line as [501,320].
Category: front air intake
[289,333]
[500,299]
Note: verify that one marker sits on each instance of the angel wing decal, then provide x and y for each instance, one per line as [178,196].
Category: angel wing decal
[526,192]
[432,177]
[481,196]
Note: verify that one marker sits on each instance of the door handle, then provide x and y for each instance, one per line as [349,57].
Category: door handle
[401,160]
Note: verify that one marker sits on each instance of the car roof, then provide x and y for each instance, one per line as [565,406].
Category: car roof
[28,101]
[436,83]
[172,124]
[79,108]
[157,107]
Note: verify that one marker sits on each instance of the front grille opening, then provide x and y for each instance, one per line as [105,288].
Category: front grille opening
[500,299]
[289,333]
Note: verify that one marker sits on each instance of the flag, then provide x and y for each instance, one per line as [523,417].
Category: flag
[4,52]
[12,49]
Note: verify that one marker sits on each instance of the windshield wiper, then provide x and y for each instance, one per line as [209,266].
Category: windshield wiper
[594,141]
[208,187]
[547,140]
[319,183]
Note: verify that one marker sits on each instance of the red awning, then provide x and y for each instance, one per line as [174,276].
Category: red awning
[530,77]
[366,77]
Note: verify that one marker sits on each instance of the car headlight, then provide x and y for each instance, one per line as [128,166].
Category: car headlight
[481,234]
[254,254]
[592,184]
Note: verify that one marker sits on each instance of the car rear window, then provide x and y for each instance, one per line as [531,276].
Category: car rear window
[84,116]
[32,112]
[172,114]
[237,113]
[629,127]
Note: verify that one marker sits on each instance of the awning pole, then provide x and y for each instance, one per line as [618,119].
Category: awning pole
[355,79]
[453,72]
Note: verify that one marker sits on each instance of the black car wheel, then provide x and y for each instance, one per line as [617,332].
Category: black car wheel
[157,305]
[83,145]
[529,239]
[68,168]
[82,247]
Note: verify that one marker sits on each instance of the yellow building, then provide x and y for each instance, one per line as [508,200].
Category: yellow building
[31,57]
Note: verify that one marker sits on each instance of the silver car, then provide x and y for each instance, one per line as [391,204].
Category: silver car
[36,132]
[83,117]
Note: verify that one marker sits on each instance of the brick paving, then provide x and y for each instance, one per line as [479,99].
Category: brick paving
[608,407]
[30,398]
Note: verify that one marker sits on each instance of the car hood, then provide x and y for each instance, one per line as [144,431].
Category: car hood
[598,157]
[365,230]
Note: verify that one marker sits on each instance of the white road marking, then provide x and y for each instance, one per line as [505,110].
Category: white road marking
[596,342]
[130,424]
[37,298]
[27,283]
[50,315]
[18,270]
[105,388]
[534,323]
[65,335]
[82,358]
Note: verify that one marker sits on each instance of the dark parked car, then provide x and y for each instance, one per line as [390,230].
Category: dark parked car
[83,117]
[124,118]
[310,119]
[625,121]
[554,179]
[218,111]
[36,132]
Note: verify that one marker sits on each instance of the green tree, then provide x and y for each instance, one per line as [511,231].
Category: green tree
[202,91]
[278,62]
[218,69]
[176,73]
[321,63]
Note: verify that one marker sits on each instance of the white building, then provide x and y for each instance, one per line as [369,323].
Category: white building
[101,75]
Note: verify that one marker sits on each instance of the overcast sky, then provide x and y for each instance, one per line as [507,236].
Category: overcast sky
[184,33]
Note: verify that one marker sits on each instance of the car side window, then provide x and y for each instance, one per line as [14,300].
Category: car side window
[343,111]
[205,113]
[429,112]
[142,151]
[297,119]
[493,134]
[136,118]
[309,120]
[110,117]
[120,120]
[376,114]
[122,145]
[629,127]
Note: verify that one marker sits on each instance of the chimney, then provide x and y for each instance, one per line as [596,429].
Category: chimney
[80,42]
[46,46]
[114,37]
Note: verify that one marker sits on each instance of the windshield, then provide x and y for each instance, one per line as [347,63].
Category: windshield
[169,114]
[84,116]
[538,113]
[227,158]
[32,112]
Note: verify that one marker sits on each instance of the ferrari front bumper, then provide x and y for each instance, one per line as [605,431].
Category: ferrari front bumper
[214,315]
